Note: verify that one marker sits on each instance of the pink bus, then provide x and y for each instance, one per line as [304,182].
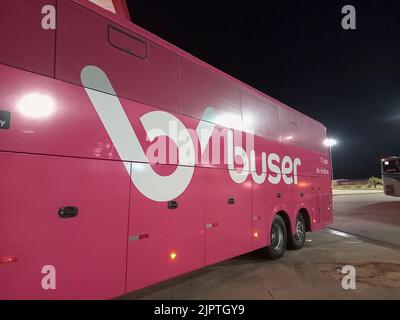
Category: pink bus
[126,161]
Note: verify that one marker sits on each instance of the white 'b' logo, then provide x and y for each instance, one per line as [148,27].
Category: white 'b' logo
[148,182]
[157,124]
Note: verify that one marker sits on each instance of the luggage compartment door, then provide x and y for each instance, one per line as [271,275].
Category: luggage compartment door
[228,217]
[83,246]
[166,238]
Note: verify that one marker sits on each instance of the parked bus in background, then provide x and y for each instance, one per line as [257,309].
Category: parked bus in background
[126,161]
[391,176]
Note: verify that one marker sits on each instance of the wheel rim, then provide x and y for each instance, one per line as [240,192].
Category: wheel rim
[277,237]
[300,229]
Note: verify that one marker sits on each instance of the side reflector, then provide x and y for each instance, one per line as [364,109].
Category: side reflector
[4,260]
[255,234]
[139,237]
[211,225]
[173,256]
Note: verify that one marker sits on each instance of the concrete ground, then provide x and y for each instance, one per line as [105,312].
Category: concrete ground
[343,192]
[313,272]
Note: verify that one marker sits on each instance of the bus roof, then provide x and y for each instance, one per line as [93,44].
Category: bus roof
[391,158]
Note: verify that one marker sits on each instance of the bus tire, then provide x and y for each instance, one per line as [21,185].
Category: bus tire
[296,240]
[278,239]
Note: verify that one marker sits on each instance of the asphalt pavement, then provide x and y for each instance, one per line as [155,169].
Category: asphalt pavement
[372,216]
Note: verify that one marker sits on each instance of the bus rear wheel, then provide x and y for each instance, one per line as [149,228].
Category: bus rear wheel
[296,240]
[278,239]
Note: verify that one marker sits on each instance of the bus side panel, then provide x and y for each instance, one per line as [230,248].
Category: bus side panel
[326,201]
[88,252]
[50,117]
[317,216]
[307,195]
[26,44]
[303,197]
[165,242]
[279,198]
[391,184]
[228,216]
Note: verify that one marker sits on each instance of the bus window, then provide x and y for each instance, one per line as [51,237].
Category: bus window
[261,116]
[200,88]
[315,134]
[290,127]
[28,43]
[300,131]
[391,166]
[127,43]
[139,69]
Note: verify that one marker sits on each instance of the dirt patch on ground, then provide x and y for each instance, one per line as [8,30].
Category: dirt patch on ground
[369,274]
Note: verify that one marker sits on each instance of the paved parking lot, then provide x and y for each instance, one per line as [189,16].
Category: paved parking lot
[373,216]
[313,272]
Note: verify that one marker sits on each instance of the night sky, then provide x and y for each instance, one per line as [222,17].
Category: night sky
[298,53]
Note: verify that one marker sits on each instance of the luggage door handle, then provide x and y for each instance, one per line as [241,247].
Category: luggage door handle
[68,212]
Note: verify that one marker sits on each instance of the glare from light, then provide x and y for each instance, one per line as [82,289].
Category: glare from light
[140,166]
[289,138]
[36,105]
[255,234]
[330,142]
[250,121]
[303,184]
[173,255]
[231,121]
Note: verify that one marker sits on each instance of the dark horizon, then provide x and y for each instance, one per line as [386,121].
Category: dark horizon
[298,53]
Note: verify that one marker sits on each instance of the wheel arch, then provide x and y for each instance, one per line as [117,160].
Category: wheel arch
[307,218]
[286,219]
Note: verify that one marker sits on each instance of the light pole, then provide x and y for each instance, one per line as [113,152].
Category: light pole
[329,142]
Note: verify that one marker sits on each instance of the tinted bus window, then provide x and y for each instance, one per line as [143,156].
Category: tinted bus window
[300,131]
[391,166]
[26,44]
[260,115]
[200,88]
[139,69]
